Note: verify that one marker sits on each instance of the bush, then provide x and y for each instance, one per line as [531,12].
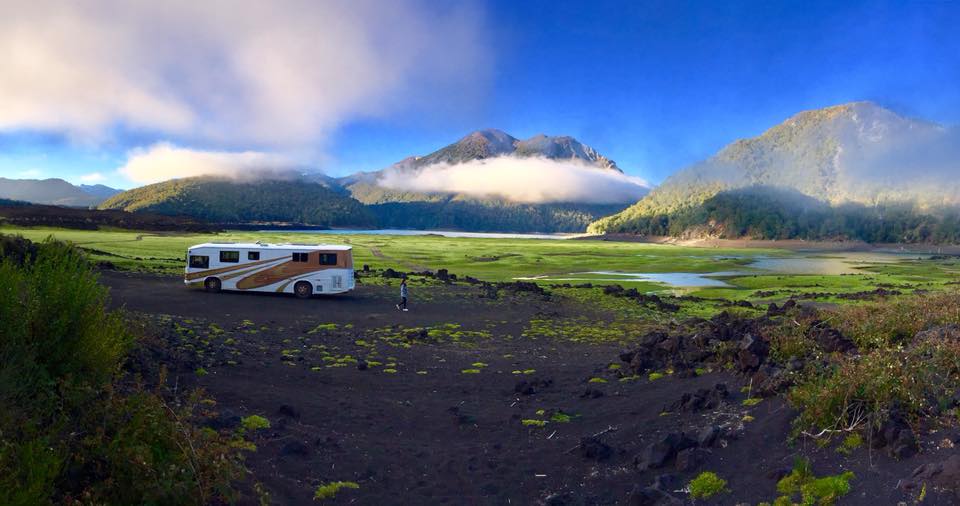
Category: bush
[707,485]
[72,429]
[861,390]
[812,490]
[886,323]
[329,490]
[52,311]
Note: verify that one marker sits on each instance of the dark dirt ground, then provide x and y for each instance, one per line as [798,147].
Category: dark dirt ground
[446,437]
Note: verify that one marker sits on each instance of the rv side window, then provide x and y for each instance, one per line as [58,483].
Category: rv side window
[300,257]
[231,257]
[328,259]
[253,255]
[199,262]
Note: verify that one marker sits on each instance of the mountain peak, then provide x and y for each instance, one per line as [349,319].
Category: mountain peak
[491,142]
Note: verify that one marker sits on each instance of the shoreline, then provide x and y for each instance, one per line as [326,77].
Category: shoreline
[786,244]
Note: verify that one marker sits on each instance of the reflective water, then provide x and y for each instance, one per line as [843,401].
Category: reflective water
[443,233]
[831,264]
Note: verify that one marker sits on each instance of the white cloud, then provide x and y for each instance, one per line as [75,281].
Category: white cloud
[231,73]
[528,180]
[93,177]
[164,161]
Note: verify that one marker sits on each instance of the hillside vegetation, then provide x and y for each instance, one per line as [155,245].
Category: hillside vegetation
[777,213]
[857,165]
[75,426]
[227,201]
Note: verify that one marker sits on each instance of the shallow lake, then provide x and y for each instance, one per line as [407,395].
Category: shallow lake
[443,233]
[826,264]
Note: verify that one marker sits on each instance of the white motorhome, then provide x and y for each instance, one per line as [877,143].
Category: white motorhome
[300,269]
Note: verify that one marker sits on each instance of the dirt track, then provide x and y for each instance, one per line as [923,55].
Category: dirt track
[430,433]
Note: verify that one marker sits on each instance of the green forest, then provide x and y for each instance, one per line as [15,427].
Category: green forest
[225,201]
[774,213]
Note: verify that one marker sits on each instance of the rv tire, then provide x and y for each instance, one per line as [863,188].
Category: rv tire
[212,285]
[303,290]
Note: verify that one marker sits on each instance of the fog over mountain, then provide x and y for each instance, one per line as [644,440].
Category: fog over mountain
[856,153]
[492,163]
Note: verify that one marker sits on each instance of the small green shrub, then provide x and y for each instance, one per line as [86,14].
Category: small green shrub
[330,490]
[850,443]
[597,380]
[752,401]
[707,484]
[255,422]
[812,490]
[654,376]
[533,423]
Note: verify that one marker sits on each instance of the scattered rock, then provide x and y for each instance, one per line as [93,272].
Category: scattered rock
[288,411]
[896,435]
[667,482]
[945,474]
[689,459]
[295,449]
[525,387]
[704,398]
[949,332]
[591,393]
[752,352]
[708,436]
[593,449]
[830,339]
[658,454]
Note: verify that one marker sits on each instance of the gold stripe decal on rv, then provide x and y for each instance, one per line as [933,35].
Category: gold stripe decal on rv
[281,287]
[288,270]
[221,270]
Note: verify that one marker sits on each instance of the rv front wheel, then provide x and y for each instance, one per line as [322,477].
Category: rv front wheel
[212,285]
[303,290]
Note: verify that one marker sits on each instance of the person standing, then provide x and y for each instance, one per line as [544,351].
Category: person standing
[403,295]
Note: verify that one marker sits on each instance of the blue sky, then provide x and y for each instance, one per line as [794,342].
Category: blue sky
[653,85]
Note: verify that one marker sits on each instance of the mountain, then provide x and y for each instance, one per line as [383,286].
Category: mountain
[99,190]
[856,155]
[226,201]
[53,192]
[396,207]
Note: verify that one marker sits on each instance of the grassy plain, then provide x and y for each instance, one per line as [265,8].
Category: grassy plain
[554,261]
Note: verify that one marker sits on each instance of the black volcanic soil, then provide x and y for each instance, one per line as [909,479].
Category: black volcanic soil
[448,437]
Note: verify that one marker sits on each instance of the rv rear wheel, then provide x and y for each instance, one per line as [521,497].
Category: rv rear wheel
[303,290]
[212,285]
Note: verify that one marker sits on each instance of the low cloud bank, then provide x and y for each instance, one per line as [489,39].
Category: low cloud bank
[164,161]
[527,180]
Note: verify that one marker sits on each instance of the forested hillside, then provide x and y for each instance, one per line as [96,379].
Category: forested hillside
[489,215]
[777,213]
[227,201]
[874,175]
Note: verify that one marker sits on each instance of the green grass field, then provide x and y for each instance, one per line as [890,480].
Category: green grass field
[552,261]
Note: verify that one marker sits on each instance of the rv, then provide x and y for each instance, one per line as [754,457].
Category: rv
[300,269]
